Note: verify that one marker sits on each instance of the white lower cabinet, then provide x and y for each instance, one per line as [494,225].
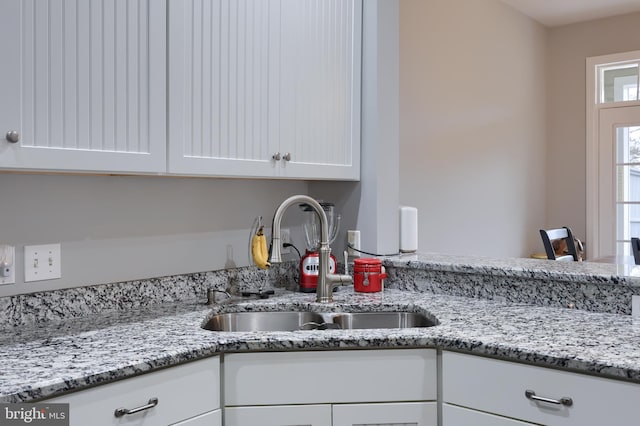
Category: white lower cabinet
[531,394]
[331,388]
[212,418]
[187,394]
[311,415]
[391,414]
[452,415]
[389,387]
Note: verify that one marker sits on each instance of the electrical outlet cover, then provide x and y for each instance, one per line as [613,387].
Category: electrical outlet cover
[353,238]
[285,238]
[8,263]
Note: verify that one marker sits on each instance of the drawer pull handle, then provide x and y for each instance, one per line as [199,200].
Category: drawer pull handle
[566,401]
[125,411]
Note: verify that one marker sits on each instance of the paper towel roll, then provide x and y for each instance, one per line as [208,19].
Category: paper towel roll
[408,229]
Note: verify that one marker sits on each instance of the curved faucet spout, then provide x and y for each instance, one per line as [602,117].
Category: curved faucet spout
[326,280]
[276,247]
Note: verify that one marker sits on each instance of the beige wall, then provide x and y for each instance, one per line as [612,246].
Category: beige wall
[568,48]
[472,126]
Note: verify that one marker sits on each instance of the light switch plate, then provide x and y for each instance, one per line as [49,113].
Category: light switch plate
[42,262]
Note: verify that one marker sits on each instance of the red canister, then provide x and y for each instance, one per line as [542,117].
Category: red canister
[368,275]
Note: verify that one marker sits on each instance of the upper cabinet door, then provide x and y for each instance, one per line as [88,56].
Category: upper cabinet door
[265,88]
[318,85]
[83,85]
[219,100]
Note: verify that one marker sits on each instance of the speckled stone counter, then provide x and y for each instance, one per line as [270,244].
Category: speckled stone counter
[33,308]
[597,287]
[39,362]
[80,345]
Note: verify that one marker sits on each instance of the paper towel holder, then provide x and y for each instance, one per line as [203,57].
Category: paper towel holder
[408,229]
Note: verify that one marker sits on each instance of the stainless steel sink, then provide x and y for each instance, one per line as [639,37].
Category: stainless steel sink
[264,321]
[362,320]
[293,321]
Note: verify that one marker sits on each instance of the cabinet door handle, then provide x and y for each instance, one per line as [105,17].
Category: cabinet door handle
[566,401]
[276,156]
[13,136]
[287,156]
[126,411]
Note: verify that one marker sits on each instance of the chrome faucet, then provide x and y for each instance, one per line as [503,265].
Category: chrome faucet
[326,280]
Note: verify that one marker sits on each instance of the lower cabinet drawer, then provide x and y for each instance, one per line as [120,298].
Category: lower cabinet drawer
[383,414]
[388,414]
[212,418]
[308,415]
[183,392]
[499,387]
[458,416]
[318,377]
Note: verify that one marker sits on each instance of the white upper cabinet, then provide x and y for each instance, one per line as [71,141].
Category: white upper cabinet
[265,88]
[253,88]
[83,85]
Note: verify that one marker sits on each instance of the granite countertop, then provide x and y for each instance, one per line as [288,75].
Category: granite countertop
[45,360]
[575,272]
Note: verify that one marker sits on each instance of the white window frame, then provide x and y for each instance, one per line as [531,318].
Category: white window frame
[593,168]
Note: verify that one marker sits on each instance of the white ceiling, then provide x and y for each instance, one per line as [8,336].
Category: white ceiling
[554,13]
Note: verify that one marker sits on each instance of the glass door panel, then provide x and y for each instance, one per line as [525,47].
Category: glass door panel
[627,187]
[619,201]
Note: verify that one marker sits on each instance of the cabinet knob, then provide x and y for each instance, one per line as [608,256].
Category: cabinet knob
[287,156]
[13,136]
[276,156]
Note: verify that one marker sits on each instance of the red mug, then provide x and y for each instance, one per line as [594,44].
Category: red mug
[368,275]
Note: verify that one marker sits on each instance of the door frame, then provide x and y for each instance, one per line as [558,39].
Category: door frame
[593,167]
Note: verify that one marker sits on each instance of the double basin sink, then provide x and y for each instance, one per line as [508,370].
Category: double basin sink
[298,320]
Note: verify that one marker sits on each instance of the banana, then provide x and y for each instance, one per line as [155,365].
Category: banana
[259,250]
